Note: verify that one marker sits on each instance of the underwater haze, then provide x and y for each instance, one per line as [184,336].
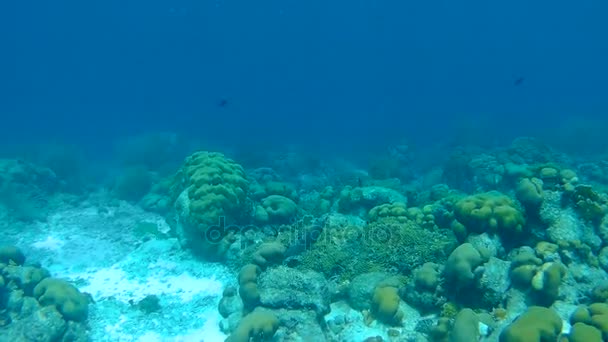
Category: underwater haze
[304,171]
[346,72]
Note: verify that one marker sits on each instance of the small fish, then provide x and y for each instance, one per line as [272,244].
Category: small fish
[519,81]
[222,102]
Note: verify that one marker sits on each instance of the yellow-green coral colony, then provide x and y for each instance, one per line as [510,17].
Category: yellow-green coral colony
[30,294]
[214,195]
[215,186]
[218,186]
[536,324]
[385,305]
[492,248]
[491,212]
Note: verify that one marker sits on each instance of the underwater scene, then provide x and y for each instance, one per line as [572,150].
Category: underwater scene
[304,171]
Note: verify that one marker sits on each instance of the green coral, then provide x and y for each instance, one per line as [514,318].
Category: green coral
[536,324]
[329,258]
[397,210]
[529,192]
[595,316]
[582,332]
[400,212]
[546,282]
[257,326]
[12,254]
[276,209]
[70,302]
[441,331]
[215,190]
[263,189]
[427,276]
[248,285]
[461,265]
[466,326]
[326,198]
[589,204]
[27,277]
[386,245]
[556,178]
[385,305]
[423,216]
[524,267]
[549,175]
[490,212]
[269,253]
[218,186]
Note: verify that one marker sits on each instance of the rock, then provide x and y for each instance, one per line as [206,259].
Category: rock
[287,288]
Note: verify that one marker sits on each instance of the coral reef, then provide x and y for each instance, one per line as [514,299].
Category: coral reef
[481,244]
[36,307]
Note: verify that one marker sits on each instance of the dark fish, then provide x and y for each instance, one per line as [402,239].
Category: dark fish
[519,81]
[222,103]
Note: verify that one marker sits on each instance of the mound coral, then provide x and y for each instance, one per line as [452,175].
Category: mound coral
[536,324]
[214,195]
[529,192]
[385,305]
[257,326]
[397,210]
[589,322]
[582,332]
[423,292]
[72,304]
[269,253]
[589,204]
[460,269]
[491,212]
[248,286]
[11,254]
[35,307]
[265,189]
[276,209]
[466,326]
[546,282]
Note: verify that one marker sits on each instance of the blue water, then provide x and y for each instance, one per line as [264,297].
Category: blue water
[352,118]
[339,72]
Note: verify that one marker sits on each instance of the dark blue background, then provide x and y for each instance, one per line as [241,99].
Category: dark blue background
[355,72]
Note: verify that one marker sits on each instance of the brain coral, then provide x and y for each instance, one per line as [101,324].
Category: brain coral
[214,196]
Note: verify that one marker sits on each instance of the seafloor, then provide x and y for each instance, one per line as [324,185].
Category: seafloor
[170,242]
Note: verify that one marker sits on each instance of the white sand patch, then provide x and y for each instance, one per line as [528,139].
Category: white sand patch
[51,243]
[114,282]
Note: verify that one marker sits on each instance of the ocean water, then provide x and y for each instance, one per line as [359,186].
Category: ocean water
[377,161]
